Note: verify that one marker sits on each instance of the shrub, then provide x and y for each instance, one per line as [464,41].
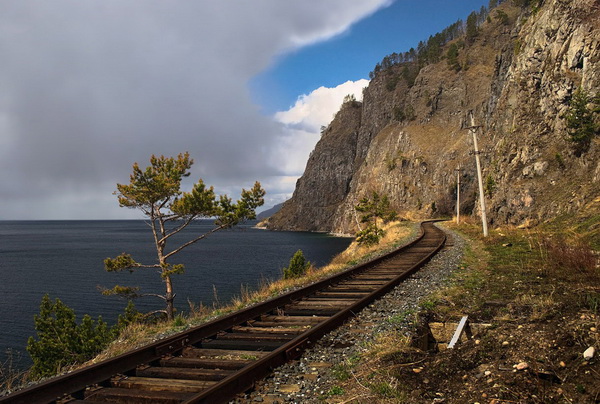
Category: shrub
[410,113]
[298,266]
[502,17]
[391,84]
[61,341]
[129,316]
[567,255]
[370,236]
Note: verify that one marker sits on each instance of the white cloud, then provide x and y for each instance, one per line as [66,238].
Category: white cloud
[317,109]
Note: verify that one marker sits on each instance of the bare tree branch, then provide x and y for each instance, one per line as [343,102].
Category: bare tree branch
[195,240]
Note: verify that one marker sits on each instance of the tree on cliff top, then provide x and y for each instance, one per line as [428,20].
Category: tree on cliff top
[156,192]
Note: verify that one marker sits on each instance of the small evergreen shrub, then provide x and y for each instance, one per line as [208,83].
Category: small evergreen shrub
[502,17]
[297,267]
[490,186]
[370,236]
[62,342]
[129,316]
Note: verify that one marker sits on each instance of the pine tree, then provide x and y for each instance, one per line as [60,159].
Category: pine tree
[297,267]
[452,57]
[580,119]
[374,209]
[472,30]
[156,192]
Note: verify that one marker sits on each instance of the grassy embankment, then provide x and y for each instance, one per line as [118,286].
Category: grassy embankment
[136,335]
[538,291]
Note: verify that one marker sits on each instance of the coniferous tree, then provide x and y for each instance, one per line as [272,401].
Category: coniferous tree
[452,57]
[374,209]
[472,30]
[156,192]
[482,15]
[297,266]
[580,119]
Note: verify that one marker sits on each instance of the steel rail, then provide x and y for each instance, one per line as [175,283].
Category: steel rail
[75,383]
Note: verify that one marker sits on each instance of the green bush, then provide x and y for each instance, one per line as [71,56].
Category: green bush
[298,266]
[370,236]
[62,342]
[129,316]
[392,82]
[502,17]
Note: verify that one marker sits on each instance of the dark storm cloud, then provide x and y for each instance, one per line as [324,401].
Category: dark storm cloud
[89,87]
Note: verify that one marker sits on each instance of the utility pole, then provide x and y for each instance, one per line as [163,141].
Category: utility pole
[473,130]
[458,170]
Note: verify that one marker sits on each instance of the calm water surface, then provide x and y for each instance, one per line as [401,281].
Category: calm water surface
[64,259]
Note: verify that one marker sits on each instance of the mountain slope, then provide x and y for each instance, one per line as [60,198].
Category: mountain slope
[406,140]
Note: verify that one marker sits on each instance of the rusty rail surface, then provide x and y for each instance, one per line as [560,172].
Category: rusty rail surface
[213,362]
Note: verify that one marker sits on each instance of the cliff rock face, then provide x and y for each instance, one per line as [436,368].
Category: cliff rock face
[407,141]
[326,180]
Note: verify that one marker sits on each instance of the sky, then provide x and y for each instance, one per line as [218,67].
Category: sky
[88,87]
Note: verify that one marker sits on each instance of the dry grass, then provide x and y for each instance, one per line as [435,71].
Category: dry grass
[11,377]
[541,307]
[574,255]
[387,346]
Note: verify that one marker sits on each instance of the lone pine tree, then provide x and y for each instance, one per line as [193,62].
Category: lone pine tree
[374,209]
[156,192]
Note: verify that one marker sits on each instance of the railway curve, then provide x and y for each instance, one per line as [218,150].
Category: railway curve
[213,362]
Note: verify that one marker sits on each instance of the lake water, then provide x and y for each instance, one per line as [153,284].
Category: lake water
[64,259]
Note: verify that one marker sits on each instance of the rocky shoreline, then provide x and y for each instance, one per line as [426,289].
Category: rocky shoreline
[310,378]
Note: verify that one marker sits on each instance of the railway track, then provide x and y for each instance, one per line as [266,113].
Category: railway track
[213,362]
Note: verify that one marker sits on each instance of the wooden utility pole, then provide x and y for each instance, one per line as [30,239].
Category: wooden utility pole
[458,170]
[476,151]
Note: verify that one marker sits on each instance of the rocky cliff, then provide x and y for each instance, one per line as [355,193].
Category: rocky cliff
[407,138]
